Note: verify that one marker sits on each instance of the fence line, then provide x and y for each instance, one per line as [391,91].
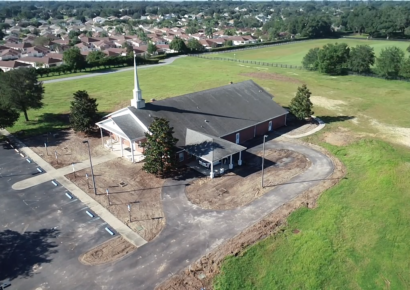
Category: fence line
[372,75]
[248,61]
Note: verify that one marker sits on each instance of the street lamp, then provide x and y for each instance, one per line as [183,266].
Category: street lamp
[91,164]
[263,156]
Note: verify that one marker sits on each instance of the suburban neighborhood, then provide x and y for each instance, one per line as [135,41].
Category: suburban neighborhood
[165,145]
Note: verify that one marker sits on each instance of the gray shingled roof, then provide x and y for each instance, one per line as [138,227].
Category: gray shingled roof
[209,147]
[129,126]
[216,112]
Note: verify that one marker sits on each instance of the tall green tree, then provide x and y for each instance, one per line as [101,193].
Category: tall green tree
[311,59]
[20,90]
[159,148]
[300,105]
[95,56]
[152,48]
[389,62]
[74,59]
[83,112]
[178,45]
[128,47]
[8,116]
[194,45]
[333,58]
[361,58]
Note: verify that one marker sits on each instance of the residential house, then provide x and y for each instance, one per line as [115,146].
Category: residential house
[38,62]
[36,51]
[99,20]
[11,64]
[18,46]
[9,54]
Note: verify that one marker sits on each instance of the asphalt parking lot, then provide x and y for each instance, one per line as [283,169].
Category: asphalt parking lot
[43,232]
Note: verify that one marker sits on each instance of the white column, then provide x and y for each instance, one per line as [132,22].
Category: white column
[122,147]
[132,151]
[102,137]
[230,164]
[212,170]
[240,158]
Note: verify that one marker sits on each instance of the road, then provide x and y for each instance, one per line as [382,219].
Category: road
[166,61]
[191,232]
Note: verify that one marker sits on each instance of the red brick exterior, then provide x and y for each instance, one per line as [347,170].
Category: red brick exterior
[257,130]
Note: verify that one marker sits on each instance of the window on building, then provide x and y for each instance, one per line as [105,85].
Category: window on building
[181,156]
[238,137]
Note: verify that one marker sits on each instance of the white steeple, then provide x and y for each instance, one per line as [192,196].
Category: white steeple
[137,101]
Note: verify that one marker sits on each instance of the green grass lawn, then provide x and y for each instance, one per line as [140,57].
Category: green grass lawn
[53,77]
[385,101]
[293,53]
[357,237]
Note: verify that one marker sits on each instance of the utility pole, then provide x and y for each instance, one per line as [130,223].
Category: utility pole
[91,164]
[263,157]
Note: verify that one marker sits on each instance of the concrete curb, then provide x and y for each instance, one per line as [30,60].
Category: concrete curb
[318,128]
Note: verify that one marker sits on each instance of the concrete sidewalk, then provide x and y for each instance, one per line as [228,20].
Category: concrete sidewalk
[318,128]
[59,176]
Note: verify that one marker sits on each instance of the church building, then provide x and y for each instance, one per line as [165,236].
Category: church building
[210,125]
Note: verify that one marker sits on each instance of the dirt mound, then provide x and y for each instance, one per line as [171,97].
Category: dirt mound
[271,76]
[107,252]
[200,274]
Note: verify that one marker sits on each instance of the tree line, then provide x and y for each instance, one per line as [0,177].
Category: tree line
[339,59]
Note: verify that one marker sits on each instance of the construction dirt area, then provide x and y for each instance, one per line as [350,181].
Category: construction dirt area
[127,184]
[243,184]
[200,274]
[110,251]
[64,147]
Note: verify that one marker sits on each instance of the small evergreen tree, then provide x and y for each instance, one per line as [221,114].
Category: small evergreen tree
[301,106]
[83,112]
[159,149]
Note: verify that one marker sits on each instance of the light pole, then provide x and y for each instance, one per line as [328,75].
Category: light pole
[263,156]
[91,164]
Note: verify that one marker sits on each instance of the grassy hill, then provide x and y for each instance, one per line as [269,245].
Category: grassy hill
[293,53]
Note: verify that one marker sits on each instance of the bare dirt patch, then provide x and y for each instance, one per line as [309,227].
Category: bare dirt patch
[333,105]
[243,185]
[108,252]
[201,273]
[340,137]
[68,146]
[142,191]
[271,76]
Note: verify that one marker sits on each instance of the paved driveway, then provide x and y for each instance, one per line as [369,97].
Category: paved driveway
[191,232]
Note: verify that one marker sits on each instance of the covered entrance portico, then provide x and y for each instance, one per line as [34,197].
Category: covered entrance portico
[125,135]
[214,155]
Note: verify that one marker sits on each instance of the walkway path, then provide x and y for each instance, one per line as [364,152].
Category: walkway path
[59,176]
[311,132]
[96,74]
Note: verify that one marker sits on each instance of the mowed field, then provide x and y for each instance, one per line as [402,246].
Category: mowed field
[293,53]
[357,237]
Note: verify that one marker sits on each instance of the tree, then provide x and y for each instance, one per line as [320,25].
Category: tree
[159,148]
[8,116]
[128,47]
[74,59]
[194,45]
[178,45]
[152,48]
[21,90]
[408,48]
[311,59]
[228,43]
[333,58]
[83,112]
[405,68]
[389,62]
[301,106]
[95,56]
[361,58]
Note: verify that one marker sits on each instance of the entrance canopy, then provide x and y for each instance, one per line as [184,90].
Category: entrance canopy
[124,126]
[208,147]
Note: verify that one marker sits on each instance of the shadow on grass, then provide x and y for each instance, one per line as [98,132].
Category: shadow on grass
[333,119]
[22,254]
